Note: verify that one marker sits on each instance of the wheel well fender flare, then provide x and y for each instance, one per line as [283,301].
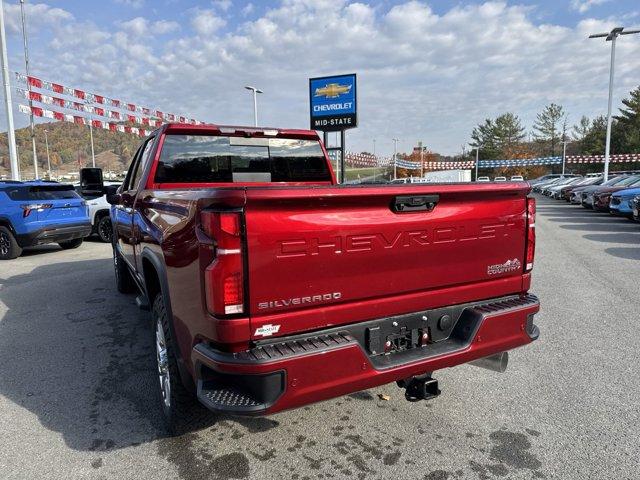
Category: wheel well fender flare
[155,261]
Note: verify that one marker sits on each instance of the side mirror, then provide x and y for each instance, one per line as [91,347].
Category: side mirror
[91,182]
[113,196]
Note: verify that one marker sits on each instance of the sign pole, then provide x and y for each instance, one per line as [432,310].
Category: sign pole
[342,150]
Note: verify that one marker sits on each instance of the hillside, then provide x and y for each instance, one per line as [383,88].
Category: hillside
[69,149]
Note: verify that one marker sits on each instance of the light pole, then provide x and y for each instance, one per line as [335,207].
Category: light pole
[26,69]
[255,102]
[46,142]
[421,162]
[89,110]
[610,37]
[564,154]
[395,157]
[477,155]
[11,134]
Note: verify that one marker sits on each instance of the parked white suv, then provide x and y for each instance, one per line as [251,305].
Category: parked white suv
[99,214]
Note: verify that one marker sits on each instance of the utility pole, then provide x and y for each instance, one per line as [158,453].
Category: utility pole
[93,153]
[255,102]
[11,134]
[564,154]
[610,37]
[26,69]
[477,155]
[46,142]
[395,158]
[421,162]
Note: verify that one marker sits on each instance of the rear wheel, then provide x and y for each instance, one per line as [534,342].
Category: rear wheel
[105,229]
[124,280]
[181,410]
[9,248]
[70,244]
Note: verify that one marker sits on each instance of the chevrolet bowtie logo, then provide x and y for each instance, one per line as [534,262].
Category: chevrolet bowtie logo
[332,90]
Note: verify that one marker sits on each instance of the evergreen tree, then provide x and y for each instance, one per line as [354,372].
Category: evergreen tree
[549,126]
[627,127]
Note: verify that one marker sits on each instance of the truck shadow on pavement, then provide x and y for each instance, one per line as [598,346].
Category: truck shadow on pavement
[80,357]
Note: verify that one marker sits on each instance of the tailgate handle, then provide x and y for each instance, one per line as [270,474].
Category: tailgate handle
[415,203]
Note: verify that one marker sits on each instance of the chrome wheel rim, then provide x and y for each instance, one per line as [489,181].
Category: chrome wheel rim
[163,365]
[5,244]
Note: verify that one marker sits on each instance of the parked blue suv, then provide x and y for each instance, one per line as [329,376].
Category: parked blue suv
[620,203]
[39,212]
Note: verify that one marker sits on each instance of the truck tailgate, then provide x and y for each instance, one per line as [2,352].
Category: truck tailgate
[325,256]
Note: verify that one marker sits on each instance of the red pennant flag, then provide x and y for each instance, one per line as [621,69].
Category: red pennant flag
[99,111]
[113,127]
[98,98]
[159,114]
[146,111]
[145,121]
[34,82]
[58,115]
[79,94]
[115,114]
[131,107]
[96,123]
[37,111]
[131,118]
[115,103]
[35,96]
[57,88]
[127,129]
[79,120]
[58,101]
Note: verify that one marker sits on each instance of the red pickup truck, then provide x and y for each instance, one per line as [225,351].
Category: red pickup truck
[272,287]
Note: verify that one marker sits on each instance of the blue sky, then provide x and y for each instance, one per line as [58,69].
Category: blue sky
[427,70]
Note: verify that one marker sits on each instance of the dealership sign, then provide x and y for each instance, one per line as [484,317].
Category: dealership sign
[333,102]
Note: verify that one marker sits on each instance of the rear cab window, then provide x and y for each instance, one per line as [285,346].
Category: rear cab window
[225,159]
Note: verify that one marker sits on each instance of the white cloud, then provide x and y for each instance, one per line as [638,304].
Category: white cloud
[206,22]
[583,6]
[38,16]
[422,75]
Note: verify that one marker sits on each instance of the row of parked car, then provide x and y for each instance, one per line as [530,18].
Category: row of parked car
[40,212]
[619,195]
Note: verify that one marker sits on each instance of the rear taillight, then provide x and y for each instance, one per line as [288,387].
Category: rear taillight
[531,233]
[224,277]
[26,209]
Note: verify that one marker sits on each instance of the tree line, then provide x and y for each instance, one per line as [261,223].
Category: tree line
[504,137]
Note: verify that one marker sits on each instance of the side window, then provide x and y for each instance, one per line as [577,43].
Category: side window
[141,164]
[126,185]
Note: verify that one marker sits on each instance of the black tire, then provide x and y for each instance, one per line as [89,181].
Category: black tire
[181,411]
[124,280]
[104,229]
[71,244]
[9,248]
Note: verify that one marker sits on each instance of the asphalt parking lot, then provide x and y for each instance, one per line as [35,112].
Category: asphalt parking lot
[78,385]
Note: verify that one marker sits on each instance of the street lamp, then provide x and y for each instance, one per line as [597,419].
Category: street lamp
[11,134]
[255,102]
[89,109]
[46,142]
[611,37]
[395,157]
